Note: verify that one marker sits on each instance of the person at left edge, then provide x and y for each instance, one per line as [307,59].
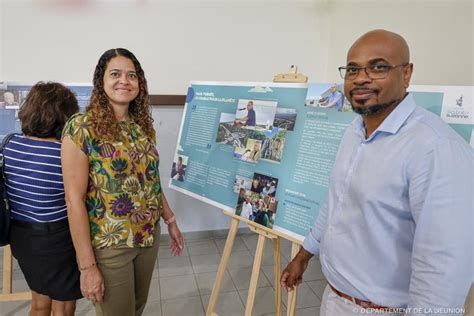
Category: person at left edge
[113,189]
[40,239]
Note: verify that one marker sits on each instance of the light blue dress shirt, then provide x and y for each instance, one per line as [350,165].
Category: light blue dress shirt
[397,227]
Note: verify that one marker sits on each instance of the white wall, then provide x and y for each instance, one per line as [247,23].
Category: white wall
[175,41]
[439,33]
[179,41]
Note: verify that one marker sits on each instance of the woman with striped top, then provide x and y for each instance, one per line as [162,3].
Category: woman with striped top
[40,237]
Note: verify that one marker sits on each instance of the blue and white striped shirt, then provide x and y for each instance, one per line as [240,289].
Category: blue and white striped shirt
[34,180]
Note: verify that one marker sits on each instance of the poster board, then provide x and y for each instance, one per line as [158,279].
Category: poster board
[297,143]
[454,104]
[12,96]
[209,164]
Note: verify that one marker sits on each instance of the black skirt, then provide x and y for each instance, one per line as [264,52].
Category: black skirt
[47,258]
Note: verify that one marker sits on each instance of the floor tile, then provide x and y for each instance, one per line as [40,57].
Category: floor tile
[238,244]
[84,305]
[16,308]
[313,271]
[286,253]
[250,240]
[268,270]
[311,311]
[228,304]
[90,311]
[154,291]
[318,287]
[198,235]
[152,308]
[269,257]
[305,297]
[240,259]
[178,287]
[202,247]
[264,300]
[241,278]
[174,266]
[205,263]
[164,252]
[205,282]
[183,307]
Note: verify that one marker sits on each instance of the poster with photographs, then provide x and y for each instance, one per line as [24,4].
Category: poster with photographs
[265,151]
[244,147]
[259,202]
[12,96]
[178,169]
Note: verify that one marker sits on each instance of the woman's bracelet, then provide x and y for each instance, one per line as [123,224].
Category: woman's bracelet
[87,267]
[171,220]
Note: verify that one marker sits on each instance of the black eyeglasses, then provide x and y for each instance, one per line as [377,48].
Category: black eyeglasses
[374,72]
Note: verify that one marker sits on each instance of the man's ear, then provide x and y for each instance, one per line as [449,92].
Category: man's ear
[407,71]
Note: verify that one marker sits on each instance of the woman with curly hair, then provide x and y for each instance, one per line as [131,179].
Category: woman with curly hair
[113,190]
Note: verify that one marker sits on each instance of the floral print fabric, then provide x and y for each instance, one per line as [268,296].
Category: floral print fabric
[123,198]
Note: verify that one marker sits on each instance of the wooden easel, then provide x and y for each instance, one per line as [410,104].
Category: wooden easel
[7,294]
[263,233]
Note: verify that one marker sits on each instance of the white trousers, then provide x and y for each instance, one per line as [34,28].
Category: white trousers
[334,305]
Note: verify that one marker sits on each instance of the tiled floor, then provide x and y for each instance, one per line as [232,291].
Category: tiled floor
[182,285]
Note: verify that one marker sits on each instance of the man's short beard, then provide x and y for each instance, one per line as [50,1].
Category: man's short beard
[374,109]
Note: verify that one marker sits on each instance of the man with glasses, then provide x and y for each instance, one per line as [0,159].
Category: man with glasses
[395,234]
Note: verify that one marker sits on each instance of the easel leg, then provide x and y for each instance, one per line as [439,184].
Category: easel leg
[277,273]
[257,263]
[7,270]
[7,294]
[295,248]
[229,244]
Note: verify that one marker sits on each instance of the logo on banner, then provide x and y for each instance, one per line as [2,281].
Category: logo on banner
[457,105]
[458,111]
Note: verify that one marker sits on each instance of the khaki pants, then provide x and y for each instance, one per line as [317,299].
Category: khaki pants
[127,274]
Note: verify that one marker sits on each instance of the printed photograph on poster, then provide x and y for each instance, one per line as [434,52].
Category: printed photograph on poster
[252,151]
[273,145]
[11,100]
[255,114]
[330,98]
[178,170]
[257,207]
[285,119]
[259,204]
[264,184]
[246,204]
[242,182]
[227,133]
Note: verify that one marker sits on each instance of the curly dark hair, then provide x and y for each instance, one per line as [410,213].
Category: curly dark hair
[46,110]
[100,111]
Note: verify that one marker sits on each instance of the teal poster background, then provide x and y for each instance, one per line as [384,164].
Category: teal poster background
[307,159]
[12,96]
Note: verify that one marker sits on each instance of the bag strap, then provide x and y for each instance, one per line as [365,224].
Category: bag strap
[5,141]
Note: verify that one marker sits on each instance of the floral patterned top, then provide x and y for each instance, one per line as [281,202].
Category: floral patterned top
[123,200]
